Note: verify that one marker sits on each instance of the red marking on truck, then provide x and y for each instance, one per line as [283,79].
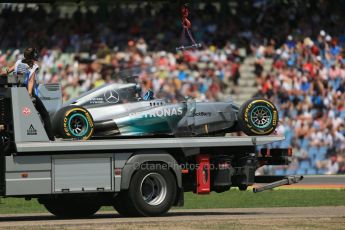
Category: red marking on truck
[26,111]
[203,174]
[184,171]
[117,172]
[24,175]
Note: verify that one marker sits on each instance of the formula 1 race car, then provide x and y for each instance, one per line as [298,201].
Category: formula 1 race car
[117,110]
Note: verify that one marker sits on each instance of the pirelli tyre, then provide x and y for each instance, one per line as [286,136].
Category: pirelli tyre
[258,116]
[73,122]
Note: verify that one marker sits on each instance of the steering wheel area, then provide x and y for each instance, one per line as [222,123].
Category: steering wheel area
[149,95]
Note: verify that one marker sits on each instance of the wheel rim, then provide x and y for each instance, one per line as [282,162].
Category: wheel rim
[153,189]
[78,125]
[261,117]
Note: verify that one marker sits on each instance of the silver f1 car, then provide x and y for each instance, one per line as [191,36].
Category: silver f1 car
[117,110]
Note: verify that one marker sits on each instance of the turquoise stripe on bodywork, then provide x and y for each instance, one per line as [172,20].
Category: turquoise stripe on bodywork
[144,123]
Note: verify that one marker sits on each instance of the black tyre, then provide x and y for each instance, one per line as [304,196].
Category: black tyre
[71,209]
[242,187]
[73,122]
[122,206]
[151,193]
[258,116]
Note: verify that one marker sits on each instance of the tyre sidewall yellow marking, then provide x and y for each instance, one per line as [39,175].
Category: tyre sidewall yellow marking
[274,116]
[89,119]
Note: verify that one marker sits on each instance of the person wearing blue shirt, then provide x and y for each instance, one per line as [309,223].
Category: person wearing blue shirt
[290,42]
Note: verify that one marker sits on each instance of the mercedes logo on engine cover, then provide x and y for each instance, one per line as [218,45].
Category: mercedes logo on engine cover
[111,96]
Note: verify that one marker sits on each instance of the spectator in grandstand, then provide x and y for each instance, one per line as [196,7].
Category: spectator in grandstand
[331,165]
[307,83]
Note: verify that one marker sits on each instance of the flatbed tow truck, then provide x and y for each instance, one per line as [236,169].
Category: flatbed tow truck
[137,176]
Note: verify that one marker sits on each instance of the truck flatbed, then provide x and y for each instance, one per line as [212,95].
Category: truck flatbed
[138,176]
[145,143]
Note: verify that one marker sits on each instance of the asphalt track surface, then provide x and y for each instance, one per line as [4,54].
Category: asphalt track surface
[318,182]
[321,181]
[31,221]
[44,220]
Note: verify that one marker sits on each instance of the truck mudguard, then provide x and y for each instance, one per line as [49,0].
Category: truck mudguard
[153,156]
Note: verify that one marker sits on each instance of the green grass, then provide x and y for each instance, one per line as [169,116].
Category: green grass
[19,205]
[230,199]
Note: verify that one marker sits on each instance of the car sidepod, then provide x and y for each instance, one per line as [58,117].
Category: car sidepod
[213,117]
[153,121]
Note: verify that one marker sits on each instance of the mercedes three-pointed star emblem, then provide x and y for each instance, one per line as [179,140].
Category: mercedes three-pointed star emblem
[111,96]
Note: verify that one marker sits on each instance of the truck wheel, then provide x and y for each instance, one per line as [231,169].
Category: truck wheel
[73,122]
[70,209]
[258,116]
[242,187]
[151,193]
[122,207]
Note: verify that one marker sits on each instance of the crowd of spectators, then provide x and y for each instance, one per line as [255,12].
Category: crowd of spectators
[241,22]
[203,74]
[92,47]
[307,82]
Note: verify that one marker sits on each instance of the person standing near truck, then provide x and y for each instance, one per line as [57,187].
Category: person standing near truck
[29,68]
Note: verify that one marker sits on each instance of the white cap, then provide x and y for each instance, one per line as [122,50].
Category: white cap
[318,58]
[308,42]
[289,37]
[261,49]
[16,52]
[279,51]
[322,33]
[285,55]
[328,38]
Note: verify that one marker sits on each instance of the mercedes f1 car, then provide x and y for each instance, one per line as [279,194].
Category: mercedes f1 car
[117,110]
